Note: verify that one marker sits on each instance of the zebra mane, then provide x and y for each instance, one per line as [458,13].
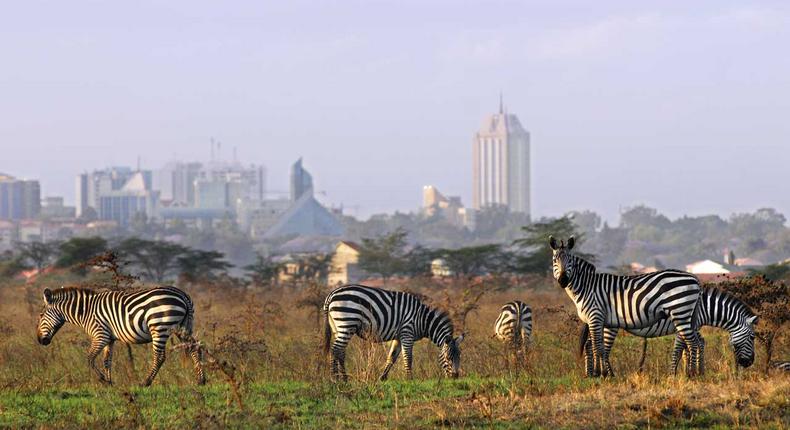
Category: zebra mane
[734,301]
[64,291]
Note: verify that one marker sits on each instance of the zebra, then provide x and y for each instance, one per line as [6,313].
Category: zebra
[382,315]
[715,308]
[514,324]
[633,302]
[782,365]
[142,316]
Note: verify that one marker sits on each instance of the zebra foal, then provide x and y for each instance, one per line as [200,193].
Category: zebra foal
[381,315]
[141,316]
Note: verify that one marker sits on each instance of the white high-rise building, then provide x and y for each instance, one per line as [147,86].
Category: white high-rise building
[501,163]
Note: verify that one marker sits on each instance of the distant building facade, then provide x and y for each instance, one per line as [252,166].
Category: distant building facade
[451,208]
[134,197]
[501,163]
[301,181]
[344,267]
[90,187]
[19,198]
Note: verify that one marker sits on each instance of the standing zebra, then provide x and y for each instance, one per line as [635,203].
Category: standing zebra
[382,315]
[142,316]
[514,324]
[633,302]
[715,308]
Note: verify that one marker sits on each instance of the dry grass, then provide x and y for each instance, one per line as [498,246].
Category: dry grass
[273,348]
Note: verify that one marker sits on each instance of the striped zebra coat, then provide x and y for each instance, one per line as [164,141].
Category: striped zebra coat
[514,324]
[381,315]
[630,302]
[715,308]
[782,365]
[141,316]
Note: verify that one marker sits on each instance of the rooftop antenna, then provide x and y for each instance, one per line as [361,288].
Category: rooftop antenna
[234,155]
[501,104]
[138,163]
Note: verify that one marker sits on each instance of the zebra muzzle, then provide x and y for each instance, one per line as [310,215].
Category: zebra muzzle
[44,340]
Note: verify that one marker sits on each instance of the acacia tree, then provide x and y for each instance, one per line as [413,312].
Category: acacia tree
[201,266]
[77,250]
[39,254]
[384,255]
[264,271]
[535,253]
[472,261]
[156,259]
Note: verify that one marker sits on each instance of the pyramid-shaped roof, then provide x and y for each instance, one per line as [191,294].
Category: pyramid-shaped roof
[305,217]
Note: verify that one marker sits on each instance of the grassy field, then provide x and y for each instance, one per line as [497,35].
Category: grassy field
[271,351]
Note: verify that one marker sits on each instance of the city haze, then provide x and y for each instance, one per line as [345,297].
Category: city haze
[683,109]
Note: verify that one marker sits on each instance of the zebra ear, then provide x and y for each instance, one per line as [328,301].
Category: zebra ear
[553,243]
[571,241]
[460,339]
[752,320]
[47,296]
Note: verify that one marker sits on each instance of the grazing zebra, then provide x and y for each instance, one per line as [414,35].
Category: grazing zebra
[715,308]
[632,302]
[514,324]
[782,365]
[382,315]
[142,316]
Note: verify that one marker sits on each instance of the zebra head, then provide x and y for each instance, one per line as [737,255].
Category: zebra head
[450,356]
[50,320]
[742,340]
[562,261]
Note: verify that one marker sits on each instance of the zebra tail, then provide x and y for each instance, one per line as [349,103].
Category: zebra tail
[189,320]
[327,331]
[583,337]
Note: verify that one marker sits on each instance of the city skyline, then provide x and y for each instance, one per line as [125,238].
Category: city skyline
[628,104]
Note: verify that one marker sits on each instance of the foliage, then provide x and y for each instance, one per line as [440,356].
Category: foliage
[37,254]
[79,249]
[472,261]
[264,272]
[198,266]
[384,255]
[157,259]
[535,253]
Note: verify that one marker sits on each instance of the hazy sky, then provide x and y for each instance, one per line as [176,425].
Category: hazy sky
[685,109]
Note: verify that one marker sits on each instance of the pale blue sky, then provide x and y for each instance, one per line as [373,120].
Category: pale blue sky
[685,108]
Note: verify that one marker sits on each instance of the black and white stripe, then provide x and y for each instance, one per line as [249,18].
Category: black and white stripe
[630,302]
[141,316]
[715,308]
[782,365]
[514,324]
[382,315]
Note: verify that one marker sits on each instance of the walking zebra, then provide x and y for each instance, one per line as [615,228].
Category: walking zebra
[782,365]
[142,316]
[608,300]
[715,308]
[381,315]
[514,324]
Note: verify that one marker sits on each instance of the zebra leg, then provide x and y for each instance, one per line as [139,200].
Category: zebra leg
[677,353]
[158,345]
[596,336]
[107,359]
[609,336]
[97,345]
[588,360]
[339,355]
[691,339]
[701,355]
[406,345]
[391,359]
[196,354]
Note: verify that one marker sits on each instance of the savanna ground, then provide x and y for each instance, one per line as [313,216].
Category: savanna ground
[269,373]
